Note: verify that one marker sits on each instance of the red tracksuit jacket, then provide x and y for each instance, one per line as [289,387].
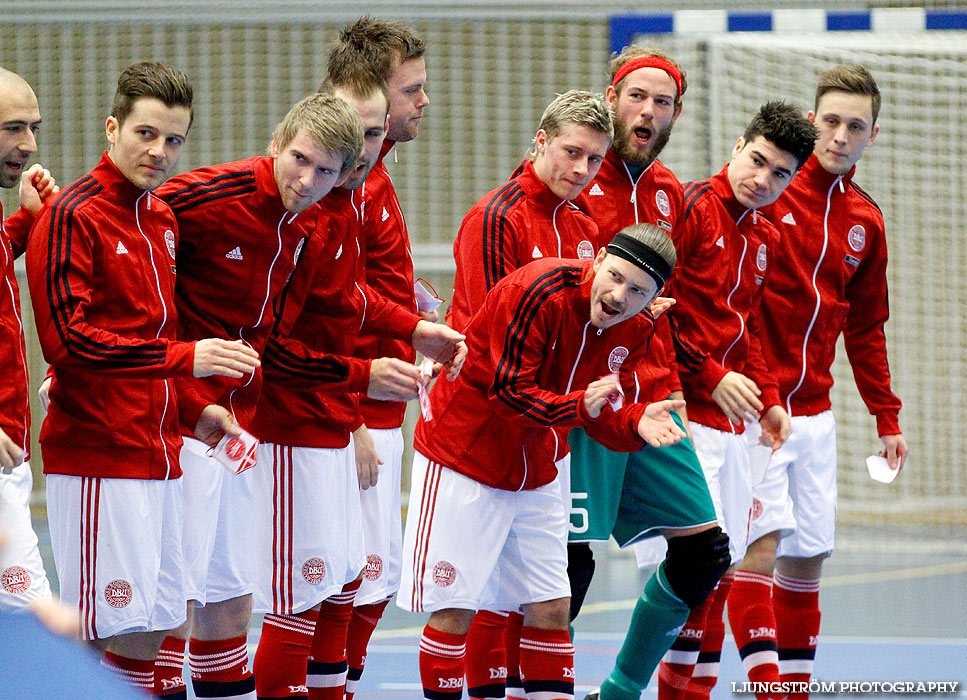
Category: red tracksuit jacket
[101,270]
[389,272]
[509,227]
[726,252]
[829,277]
[615,200]
[308,401]
[532,352]
[15,388]
[238,248]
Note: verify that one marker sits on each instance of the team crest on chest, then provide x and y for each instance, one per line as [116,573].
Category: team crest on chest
[760,257]
[585,250]
[170,242]
[118,593]
[661,199]
[617,358]
[298,251]
[857,238]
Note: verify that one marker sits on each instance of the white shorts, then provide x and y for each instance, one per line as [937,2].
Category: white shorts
[725,460]
[308,526]
[798,494]
[219,527]
[117,548]
[22,576]
[470,546]
[382,521]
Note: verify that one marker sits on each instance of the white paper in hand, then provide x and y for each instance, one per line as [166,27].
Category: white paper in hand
[426,299]
[617,397]
[880,470]
[426,371]
[237,452]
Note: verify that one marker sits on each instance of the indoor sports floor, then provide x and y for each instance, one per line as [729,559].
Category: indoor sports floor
[886,617]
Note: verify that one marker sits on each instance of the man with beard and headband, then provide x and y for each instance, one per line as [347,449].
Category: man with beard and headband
[393,52]
[307,411]
[656,491]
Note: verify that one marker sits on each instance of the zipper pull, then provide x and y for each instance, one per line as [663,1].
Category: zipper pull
[842,189]
[600,331]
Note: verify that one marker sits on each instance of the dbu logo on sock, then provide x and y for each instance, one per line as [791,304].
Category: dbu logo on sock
[769,632]
[451,683]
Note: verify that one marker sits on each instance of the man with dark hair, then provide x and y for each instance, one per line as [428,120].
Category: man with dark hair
[553,346]
[24,580]
[100,264]
[830,278]
[394,53]
[727,248]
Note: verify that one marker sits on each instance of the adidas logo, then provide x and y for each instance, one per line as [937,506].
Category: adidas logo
[234,254]
[596,190]
[788,219]
[720,242]
[385,215]
[537,253]
[121,250]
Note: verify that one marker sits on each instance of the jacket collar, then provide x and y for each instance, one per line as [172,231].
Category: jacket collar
[818,176]
[613,160]
[535,187]
[114,181]
[384,150]
[723,190]
[266,189]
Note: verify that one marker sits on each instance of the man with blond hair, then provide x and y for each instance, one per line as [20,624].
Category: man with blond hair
[527,218]
[244,226]
[310,483]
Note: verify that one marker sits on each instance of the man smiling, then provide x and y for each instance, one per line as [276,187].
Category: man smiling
[553,346]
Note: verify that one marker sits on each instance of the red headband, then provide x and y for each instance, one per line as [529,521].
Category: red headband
[650,62]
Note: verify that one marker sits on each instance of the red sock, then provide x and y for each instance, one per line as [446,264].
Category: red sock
[515,688]
[754,626]
[547,663]
[486,660]
[169,682]
[133,672]
[442,664]
[326,675]
[361,627]
[796,605]
[679,661]
[706,672]
[219,668]
[280,660]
